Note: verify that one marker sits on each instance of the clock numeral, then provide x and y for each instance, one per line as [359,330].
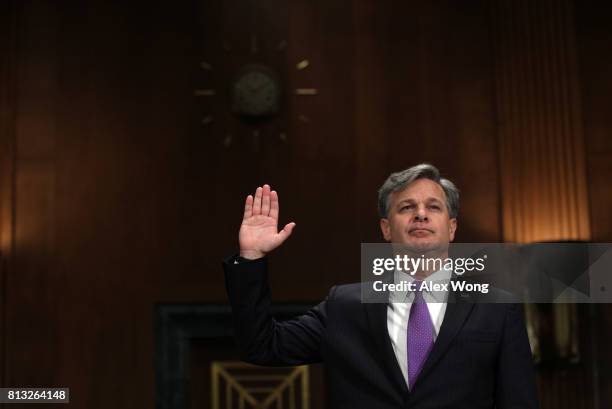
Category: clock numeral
[306,91]
[204,92]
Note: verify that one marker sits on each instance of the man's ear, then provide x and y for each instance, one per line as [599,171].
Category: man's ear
[452,227]
[385,229]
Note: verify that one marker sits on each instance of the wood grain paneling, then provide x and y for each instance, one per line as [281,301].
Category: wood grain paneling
[542,155]
[424,93]
[33,296]
[594,37]
[7,161]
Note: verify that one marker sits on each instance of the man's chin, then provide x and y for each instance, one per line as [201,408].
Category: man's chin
[421,247]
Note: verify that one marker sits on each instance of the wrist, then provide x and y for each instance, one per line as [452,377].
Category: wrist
[251,254]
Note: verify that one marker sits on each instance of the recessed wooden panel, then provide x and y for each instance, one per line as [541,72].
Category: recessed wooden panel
[594,36]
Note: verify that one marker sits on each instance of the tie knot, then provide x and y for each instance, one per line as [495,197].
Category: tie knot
[418,294]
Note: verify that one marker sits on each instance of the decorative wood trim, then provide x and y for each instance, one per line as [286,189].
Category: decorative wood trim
[8,80]
[176,327]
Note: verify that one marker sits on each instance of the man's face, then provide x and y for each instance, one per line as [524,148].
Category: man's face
[418,217]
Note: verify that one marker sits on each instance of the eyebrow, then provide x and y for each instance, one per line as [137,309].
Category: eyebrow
[429,200]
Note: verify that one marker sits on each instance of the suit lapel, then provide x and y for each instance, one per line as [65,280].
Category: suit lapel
[377,317]
[457,311]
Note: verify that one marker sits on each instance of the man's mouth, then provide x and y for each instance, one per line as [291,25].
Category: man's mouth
[419,233]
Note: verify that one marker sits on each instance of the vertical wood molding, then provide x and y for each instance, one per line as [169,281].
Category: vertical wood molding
[31,296]
[7,162]
[542,154]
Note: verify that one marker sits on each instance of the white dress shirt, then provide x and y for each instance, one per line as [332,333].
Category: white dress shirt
[398,311]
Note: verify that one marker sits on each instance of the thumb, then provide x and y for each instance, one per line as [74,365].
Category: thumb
[286,231]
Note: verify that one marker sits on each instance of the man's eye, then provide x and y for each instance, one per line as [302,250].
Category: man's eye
[407,207]
[435,207]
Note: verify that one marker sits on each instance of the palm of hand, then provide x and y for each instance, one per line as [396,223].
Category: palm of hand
[259,230]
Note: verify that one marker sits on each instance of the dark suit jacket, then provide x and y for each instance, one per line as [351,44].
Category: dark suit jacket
[481,357]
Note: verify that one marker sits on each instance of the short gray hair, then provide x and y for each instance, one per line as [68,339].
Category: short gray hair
[400,180]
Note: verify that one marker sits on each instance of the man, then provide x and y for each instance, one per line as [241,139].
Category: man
[422,352]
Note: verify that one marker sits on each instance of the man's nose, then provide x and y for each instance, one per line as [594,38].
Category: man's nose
[421,214]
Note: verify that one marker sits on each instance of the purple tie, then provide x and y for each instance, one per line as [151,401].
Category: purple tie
[420,335]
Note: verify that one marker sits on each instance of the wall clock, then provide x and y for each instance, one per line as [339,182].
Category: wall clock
[256,93]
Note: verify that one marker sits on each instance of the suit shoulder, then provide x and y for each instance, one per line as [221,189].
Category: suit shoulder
[346,292]
[493,295]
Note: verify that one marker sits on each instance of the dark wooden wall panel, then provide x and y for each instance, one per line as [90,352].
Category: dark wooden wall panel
[7,157]
[441,107]
[32,296]
[594,37]
[372,101]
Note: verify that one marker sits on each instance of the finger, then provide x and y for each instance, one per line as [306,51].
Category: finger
[265,200]
[286,232]
[257,202]
[248,207]
[274,209]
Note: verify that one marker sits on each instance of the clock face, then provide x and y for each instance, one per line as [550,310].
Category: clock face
[256,92]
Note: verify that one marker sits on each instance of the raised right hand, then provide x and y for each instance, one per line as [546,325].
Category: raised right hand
[259,233]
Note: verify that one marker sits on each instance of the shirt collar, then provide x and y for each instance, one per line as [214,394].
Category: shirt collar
[442,276]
